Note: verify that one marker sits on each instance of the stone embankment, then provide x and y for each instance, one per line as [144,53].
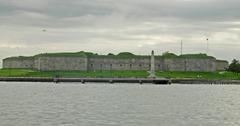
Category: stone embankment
[204,81]
[122,80]
[84,80]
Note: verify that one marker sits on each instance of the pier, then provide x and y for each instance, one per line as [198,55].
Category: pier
[90,80]
[205,81]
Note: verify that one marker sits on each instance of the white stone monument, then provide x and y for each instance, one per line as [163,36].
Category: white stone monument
[152,69]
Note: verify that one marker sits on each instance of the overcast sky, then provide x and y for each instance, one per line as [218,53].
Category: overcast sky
[29,27]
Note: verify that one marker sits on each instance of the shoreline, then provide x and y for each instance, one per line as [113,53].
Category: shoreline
[205,81]
[163,81]
[85,80]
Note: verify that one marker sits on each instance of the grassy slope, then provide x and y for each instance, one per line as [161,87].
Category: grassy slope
[201,75]
[122,55]
[120,74]
[14,72]
[98,74]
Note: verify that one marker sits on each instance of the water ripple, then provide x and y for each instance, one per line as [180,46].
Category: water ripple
[46,104]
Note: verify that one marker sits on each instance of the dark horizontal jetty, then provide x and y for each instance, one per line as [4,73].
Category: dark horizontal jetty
[120,80]
[205,81]
[84,80]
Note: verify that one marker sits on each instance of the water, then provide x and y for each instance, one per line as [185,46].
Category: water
[69,104]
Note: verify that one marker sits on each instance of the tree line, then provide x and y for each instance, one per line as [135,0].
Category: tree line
[234,66]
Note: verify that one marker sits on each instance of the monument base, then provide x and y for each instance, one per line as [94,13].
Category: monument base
[152,75]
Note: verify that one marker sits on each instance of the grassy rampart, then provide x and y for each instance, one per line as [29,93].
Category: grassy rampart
[118,74]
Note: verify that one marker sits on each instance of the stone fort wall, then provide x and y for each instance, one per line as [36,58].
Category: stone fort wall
[91,63]
[60,63]
[221,65]
[118,64]
[189,64]
[18,63]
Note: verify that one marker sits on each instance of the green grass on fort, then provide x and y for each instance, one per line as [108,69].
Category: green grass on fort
[221,75]
[122,55]
[72,74]
[118,74]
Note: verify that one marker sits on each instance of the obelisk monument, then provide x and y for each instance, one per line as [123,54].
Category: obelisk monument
[152,65]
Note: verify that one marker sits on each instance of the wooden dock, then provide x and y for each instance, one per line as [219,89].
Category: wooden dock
[85,80]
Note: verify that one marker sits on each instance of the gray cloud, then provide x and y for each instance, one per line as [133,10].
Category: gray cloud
[127,25]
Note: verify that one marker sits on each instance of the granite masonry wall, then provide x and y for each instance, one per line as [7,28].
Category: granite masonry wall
[118,64]
[60,63]
[189,64]
[106,63]
[221,65]
[18,63]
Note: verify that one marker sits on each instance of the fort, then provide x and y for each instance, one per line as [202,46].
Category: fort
[87,61]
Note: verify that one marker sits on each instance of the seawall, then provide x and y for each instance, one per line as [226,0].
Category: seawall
[90,80]
[121,80]
[205,81]
[53,62]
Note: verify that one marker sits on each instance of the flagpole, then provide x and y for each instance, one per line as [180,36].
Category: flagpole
[207,46]
[181,47]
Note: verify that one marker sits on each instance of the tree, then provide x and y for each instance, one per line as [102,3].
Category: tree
[169,55]
[110,54]
[234,66]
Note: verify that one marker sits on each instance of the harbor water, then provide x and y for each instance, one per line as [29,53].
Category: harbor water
[76,104]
